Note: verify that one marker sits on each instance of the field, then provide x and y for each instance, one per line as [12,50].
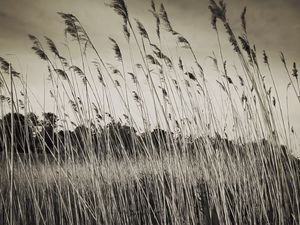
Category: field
[144,139]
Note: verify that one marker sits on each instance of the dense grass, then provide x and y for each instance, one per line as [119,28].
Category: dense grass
[209,160]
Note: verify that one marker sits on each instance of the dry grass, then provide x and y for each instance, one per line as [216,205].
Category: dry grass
[225,162]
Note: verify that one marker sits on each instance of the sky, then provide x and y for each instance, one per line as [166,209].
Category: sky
[273,25]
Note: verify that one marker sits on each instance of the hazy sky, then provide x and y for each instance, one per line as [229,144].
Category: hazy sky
[273,25]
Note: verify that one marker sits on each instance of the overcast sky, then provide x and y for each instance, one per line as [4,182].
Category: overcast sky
[273,25]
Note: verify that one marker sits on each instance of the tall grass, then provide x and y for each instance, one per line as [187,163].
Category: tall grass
[147,141]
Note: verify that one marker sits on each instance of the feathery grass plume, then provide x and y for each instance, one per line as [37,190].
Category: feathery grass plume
[164,17]
[37,47]
[160,55]
[191,75]
[153,8]
[215,61]
[98,115]
[109,115]
[175,84]
[222,86]
[182,40]
[244,98]
[136,97]
[156,48]
[214,21]
[95,108]
[119,6]
[79,101]
[126,31]
[117,83]
[164,92]
[21,104]
[228,79]
[51,94]
[180,64]
[253,55]
[117,72]
[153,60]
[133,77]
[282,58]
[225,67]
[50,75]
[187,83]
[201,88]
[138,65]
[74,28]
[243,19]
[77,70]
[290,77]
[80,73]
[168,61]
[52,46]
[3,98]
[269,91]
[265,57]
[40,53]
[295,71]
[142,30]
[100,76]
[62,73]
[126,117]
[241,81]
[218,12]
[246,46]
[8,99]
[71,27]
[156,16]
[73,105]
[64,61]
[5,67]
[232,39]
[116,49]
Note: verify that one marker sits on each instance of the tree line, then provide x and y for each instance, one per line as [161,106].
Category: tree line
[30,135]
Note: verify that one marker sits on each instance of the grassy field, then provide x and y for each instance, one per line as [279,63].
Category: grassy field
[147,141]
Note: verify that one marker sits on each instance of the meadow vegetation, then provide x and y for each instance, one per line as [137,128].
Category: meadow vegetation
[177,155]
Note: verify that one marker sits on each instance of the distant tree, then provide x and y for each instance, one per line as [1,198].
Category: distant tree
[48,133]
[121,138]
[66,143]
[2,142]
[159,138]
[50,120]
[22,135]
[33,120]
[81,138]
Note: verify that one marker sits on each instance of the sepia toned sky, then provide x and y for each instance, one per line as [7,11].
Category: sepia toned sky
[273,25]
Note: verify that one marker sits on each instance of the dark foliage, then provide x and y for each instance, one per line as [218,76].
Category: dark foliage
[18,132]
